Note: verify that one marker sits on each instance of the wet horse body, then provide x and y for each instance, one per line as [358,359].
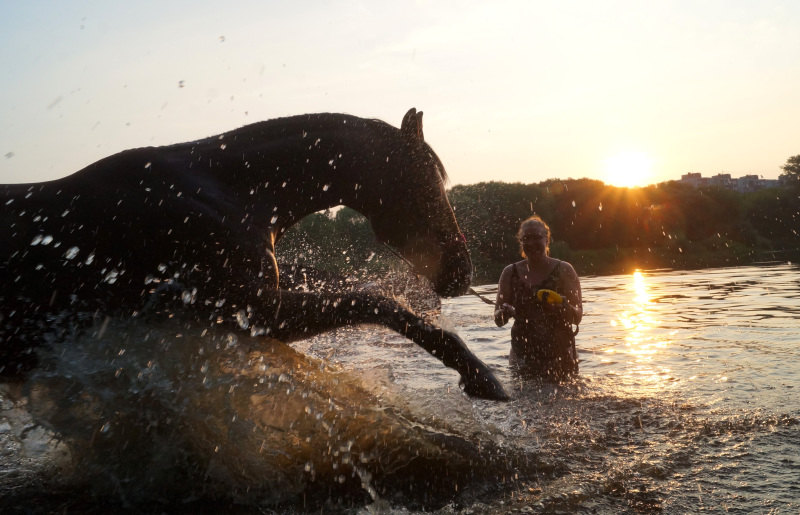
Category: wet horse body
[197,223]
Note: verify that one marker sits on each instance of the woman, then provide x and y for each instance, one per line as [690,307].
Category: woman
[542,338]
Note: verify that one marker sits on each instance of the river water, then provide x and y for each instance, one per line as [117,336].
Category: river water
[687,401]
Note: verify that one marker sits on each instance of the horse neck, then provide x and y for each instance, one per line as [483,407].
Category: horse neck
[288,168]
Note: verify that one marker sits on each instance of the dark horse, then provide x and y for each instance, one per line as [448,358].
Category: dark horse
[197,222]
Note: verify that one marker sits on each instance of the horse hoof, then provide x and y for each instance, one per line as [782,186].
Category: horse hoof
[485,387]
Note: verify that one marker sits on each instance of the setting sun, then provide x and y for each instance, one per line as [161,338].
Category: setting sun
[628,169]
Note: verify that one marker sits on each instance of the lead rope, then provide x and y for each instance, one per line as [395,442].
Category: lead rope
[401,258]
[484,299]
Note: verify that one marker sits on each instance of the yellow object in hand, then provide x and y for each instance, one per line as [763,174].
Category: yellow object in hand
[549,296]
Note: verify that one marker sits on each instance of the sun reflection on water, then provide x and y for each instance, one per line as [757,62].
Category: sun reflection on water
[637,340]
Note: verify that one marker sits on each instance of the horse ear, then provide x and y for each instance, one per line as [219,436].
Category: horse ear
[412,125]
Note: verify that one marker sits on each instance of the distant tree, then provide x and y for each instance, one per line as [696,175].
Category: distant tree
[489,214]
[792,170]
[775,215]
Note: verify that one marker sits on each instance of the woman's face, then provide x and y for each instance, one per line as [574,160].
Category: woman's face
[533,239]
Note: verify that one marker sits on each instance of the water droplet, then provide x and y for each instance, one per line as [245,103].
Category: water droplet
[36,240]
[189,296]
[574,204]
[89,259]
[242,320]
[71,252]
[148,165]
[223,146]
[230,340]
[65,213]
[273,219]
[162,267]
[330,163]
[325,188]
[111,277]
[105,428]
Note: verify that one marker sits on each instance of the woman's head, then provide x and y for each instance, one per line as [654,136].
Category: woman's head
[534,235]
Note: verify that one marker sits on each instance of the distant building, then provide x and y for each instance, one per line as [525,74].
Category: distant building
[748,183]
[724,180]
[694,179]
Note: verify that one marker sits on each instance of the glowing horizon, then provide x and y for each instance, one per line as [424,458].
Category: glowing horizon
[629,169]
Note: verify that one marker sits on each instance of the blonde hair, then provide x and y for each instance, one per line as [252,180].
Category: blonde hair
[531,220]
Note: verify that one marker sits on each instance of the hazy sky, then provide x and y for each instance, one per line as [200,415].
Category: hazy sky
[512,91]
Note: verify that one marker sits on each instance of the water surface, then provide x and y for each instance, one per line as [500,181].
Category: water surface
[687,401]
[689,395]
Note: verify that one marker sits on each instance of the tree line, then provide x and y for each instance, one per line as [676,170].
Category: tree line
[603,229]
[600,229]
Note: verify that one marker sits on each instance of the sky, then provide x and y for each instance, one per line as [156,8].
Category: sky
[626,92]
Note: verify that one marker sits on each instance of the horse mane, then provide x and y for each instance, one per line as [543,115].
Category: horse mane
[279,127]
[439,166]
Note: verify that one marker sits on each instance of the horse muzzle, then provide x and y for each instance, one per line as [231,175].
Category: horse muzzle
[454,274]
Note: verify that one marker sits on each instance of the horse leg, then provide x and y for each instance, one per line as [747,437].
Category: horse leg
[302,315]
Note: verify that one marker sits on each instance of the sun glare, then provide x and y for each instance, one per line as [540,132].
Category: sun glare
[629,169]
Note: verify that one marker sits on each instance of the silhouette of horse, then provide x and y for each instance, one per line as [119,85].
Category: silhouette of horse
[196,223]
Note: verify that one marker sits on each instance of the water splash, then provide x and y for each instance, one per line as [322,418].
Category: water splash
[153,412]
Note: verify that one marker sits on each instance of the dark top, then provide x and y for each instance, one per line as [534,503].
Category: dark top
[542,341]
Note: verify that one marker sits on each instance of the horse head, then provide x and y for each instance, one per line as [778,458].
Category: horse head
[430,239]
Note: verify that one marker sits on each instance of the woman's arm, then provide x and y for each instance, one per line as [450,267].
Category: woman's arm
[572,290]
[503,309]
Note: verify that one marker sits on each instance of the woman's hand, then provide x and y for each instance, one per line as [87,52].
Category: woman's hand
[502,313]
[565,310]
